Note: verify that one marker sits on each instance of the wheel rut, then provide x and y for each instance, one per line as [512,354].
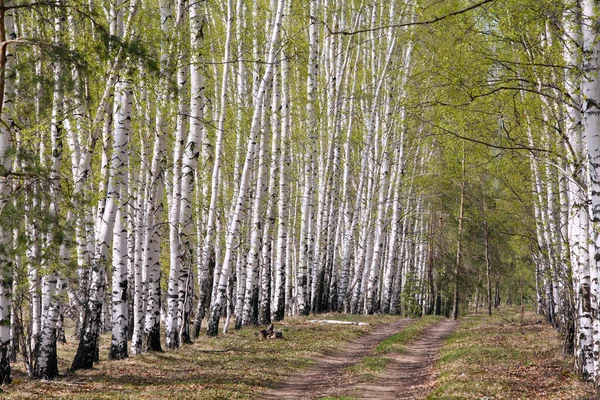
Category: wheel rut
[327,377]
[409,375]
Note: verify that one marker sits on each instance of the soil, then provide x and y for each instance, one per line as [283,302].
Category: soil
[407,376]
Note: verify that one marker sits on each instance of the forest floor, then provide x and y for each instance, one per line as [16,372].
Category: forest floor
[510,356]
[392,362]
[506,356]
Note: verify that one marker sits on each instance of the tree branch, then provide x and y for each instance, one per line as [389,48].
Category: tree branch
[412,23]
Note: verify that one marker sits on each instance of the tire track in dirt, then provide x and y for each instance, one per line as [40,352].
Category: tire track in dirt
[409,375]
[327,376]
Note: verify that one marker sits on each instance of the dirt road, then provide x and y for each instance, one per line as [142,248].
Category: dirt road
[407,376]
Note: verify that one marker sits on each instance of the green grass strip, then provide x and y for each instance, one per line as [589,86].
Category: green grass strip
[397,342]
[369,365]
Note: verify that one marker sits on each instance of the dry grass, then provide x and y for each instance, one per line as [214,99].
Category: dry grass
[235,366]
[506,357]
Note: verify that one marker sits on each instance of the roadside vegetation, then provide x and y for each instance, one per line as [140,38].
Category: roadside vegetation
[506,356]
[235,366]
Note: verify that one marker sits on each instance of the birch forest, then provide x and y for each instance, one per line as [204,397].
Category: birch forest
[172,170]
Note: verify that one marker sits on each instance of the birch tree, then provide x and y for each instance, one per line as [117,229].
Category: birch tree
[208,243]
[217,305]
[46,362]
[120,327]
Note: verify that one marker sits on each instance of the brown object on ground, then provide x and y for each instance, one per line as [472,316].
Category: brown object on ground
[409,374]
[270,333]
[327,377]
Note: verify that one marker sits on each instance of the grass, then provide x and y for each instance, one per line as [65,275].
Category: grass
[506,357]
[397,342]
[367,368]
[234,366]
[499,358]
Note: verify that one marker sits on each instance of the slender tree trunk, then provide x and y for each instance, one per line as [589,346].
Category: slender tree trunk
[208,249]
[264,314]
[232,231]
[192,153]
[137,263]
[488,264]
[281,250]
[591,128]
[177,292]
[458,264]
[91,325]
[120,281]
[46,362]
[303,297]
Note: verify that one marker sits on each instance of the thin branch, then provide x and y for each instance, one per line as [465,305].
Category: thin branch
[35,4]
[481,142]
[412,23]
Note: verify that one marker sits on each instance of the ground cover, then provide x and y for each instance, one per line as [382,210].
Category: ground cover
[506,356]
[235,366]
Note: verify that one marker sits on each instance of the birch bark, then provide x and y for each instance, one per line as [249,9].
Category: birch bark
[278,306]
[46,362]
[177,293]
[119,164]
[590,112]
[208,248]
[232,231]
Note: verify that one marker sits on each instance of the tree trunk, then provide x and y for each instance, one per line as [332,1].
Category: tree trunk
[232,231]
[457,266]
[46,362]
[206,257]
[120,281]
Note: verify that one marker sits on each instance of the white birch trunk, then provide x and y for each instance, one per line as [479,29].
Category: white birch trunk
[118,347]
[46,362]
[154,202]
[281,248]
[591,127]
[194,144]
[232,231]
[177,284]
[578,211]
[378,246]
[139,290]
[391,262]
[207,255]
[95,295]
[191,155]
[119,163]
[253,260]
[306,235]
[264,312]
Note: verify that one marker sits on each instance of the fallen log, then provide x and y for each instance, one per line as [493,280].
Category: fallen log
[333,321]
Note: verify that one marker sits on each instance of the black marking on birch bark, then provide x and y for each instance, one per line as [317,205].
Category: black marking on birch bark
[152,338]
[584,292]
[5,377]
[118,351]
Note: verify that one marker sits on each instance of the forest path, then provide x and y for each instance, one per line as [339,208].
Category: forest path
[407,373]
